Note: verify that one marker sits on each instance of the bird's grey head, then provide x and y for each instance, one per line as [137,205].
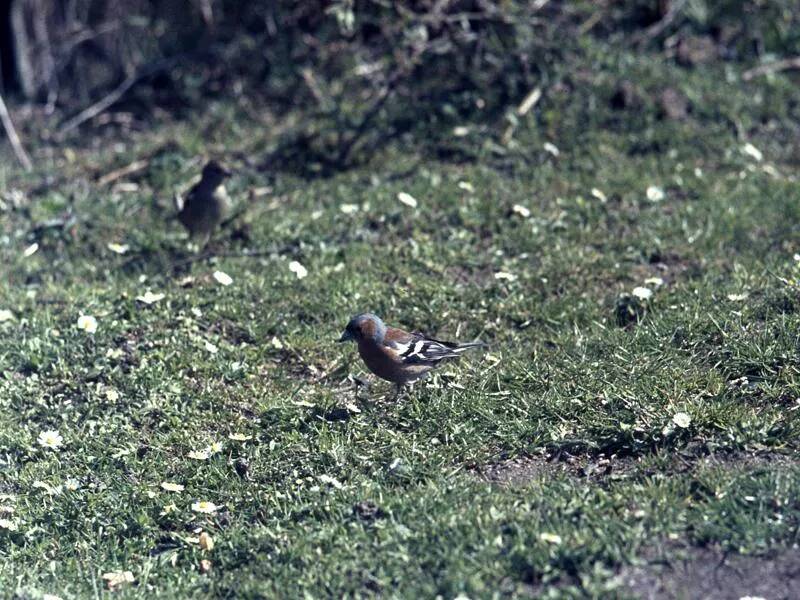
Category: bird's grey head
[365,326]
[215,173]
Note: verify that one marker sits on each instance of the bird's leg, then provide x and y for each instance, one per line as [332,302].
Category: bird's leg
[358,384]
[192,244]
[399,388]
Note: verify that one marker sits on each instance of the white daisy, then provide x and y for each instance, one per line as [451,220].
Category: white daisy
[753,152]
[205,507]
[8,524]
[550,538]
[118,248]
[171,487]
[204,454]
[150,298]
[599,194]
[50,439]
[332,481]
[551,148]
[87,323]
[681,419]
[505,276]
[223,278]
[298,269]
[522,211]
[655,193]
[466,186]
[407,199]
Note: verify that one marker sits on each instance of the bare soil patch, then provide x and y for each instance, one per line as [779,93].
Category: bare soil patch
[520,471]
[709,574]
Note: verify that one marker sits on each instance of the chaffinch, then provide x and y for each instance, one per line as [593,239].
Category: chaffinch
[396,355]
[207,203]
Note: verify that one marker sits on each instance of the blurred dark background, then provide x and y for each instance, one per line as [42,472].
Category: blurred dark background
[363,69]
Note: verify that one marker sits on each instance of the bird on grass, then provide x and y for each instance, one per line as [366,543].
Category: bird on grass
[396,355]
[207,203]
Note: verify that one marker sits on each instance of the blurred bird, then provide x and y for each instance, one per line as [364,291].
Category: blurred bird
[396,355]
[207,203]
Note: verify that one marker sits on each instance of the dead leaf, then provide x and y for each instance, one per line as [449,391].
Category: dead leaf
[206,542]
[116,578]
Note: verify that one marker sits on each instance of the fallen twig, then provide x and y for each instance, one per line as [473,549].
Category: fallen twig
[381,97]
[11,133]
[773,67]
[366,121]
[531,100]
[528,102]
[98,107]
[589,23]
[313,86]
[112,176]
[114,95]
[658,28]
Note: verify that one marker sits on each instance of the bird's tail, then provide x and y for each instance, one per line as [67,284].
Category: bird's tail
[469,345]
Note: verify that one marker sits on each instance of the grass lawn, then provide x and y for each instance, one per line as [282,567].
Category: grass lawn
[602,432]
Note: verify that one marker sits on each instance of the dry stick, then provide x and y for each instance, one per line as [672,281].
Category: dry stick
[371,113]
[11,133]
[66,45]
[530,101]
[115,94]
[657,28]
[589,23]
[135,166]
[773,67]
[377,105]
[313,86]
[98,107]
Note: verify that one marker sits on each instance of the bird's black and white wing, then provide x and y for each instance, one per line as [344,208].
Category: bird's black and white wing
[416,348]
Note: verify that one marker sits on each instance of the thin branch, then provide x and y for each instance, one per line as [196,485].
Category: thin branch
[656,29]
[531,100]
[382,96]
[67,46]
[773,67]
[114,95]
[98,107]
[11,133]
[135,166]
[366,121]
[313,86]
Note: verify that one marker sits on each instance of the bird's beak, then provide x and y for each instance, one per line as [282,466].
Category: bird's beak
[346,337]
